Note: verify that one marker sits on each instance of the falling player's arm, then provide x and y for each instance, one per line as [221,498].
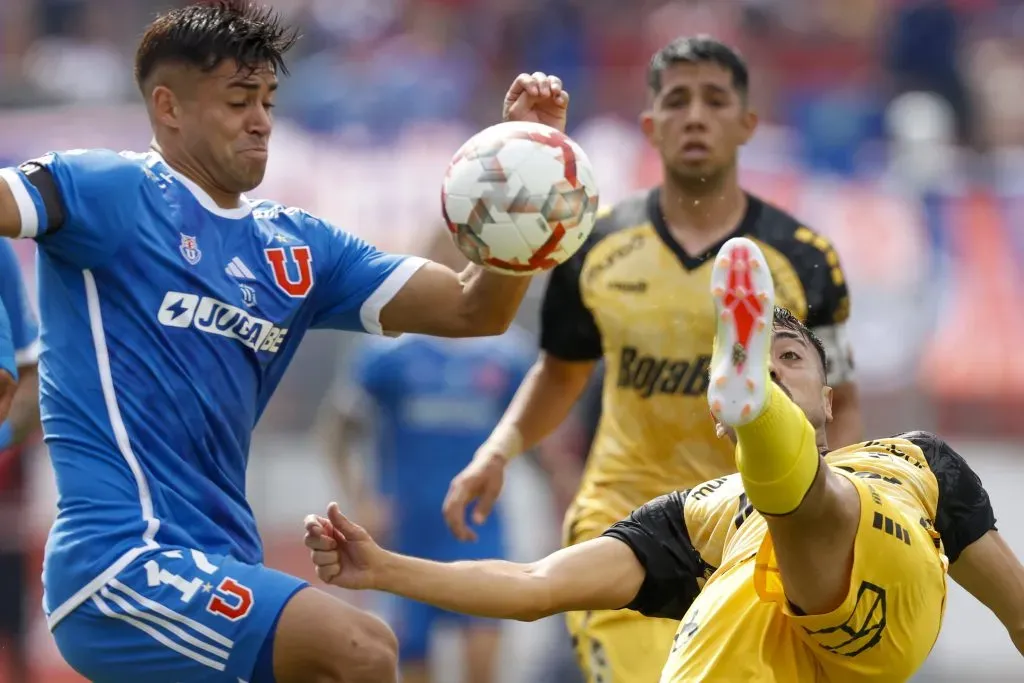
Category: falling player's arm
[980,559]
[645,563]
[990,571]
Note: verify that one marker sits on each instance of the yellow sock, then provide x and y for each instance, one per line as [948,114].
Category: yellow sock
[777,455]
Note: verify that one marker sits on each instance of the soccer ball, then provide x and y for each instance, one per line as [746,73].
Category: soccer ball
[519,198]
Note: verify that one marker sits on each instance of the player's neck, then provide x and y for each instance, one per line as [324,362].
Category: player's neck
[700,218]
[181,163]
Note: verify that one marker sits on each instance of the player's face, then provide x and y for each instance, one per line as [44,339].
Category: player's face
[227,124]
[796,367]
[698,121]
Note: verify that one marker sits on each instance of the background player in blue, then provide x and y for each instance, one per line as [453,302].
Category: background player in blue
[424,404]
[23,342]
[170,307]
[8,370]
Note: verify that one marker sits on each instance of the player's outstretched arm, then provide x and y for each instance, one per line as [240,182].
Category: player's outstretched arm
[601,574]
[980,560]
[645,563]
[989,570]
[476,302]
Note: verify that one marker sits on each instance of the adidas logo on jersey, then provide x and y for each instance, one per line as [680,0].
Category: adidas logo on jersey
[238,270]
[183,310]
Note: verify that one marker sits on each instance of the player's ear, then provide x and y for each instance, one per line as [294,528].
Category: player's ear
[826,402]
[647,124]
[165,107]
[749,123]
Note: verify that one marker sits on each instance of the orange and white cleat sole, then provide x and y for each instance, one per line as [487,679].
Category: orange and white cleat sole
[744,294]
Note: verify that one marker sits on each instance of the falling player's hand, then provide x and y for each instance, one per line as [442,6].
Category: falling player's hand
[8,385]
[342,552]
[480,481]
[536,98]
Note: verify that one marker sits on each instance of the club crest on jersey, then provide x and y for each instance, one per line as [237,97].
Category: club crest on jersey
[293,269]
[189,249]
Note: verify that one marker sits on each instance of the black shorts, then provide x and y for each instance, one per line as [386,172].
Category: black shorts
[13,622]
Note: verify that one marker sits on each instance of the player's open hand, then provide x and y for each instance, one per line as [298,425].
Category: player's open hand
[480,481]
[537,98]
[342,552]
[8,385]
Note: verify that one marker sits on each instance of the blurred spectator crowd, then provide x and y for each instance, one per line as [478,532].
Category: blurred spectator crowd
[368,69]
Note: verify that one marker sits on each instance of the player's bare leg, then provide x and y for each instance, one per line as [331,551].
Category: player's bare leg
[481,643]
[812,512]
[320,639]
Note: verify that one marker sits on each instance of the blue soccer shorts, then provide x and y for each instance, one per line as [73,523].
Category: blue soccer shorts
[176,615]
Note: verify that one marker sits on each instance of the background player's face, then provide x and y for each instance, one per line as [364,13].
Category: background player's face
[698,121]
[226,125]
[796,367]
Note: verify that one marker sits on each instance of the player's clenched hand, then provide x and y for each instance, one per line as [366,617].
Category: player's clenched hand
[8,386]
[480,481]
[537,98]
[342,552]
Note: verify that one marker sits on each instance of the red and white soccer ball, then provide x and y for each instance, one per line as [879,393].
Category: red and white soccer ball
[519,198]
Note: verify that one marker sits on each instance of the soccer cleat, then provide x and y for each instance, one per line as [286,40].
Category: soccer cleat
[744,294]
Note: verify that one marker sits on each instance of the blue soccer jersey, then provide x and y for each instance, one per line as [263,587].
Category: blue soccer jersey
[6,344]
[167,323]
[436,400]
[22,329]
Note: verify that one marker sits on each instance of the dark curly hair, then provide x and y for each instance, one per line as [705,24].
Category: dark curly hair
[784,318]
[204,34]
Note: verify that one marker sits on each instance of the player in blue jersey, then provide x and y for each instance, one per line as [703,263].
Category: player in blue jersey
[425,404]
[171,305]
[8,370]
[19,350]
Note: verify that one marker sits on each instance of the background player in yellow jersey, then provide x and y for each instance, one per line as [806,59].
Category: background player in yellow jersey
[636,295]
[799,568]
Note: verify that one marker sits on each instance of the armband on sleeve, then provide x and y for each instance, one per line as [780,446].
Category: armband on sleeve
[675,572]
[37,198]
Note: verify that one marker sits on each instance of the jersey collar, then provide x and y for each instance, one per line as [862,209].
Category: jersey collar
[243,209]
[694,261]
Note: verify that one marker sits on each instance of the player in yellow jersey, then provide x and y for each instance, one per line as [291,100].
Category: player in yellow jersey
[636,296]
[798,568]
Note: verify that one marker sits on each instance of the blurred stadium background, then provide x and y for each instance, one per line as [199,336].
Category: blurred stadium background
[894,126]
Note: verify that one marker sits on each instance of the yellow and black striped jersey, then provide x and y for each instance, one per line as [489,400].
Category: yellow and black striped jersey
[635,298]
[684,537]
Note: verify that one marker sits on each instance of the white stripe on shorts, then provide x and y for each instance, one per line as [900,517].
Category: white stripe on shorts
[157,635]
